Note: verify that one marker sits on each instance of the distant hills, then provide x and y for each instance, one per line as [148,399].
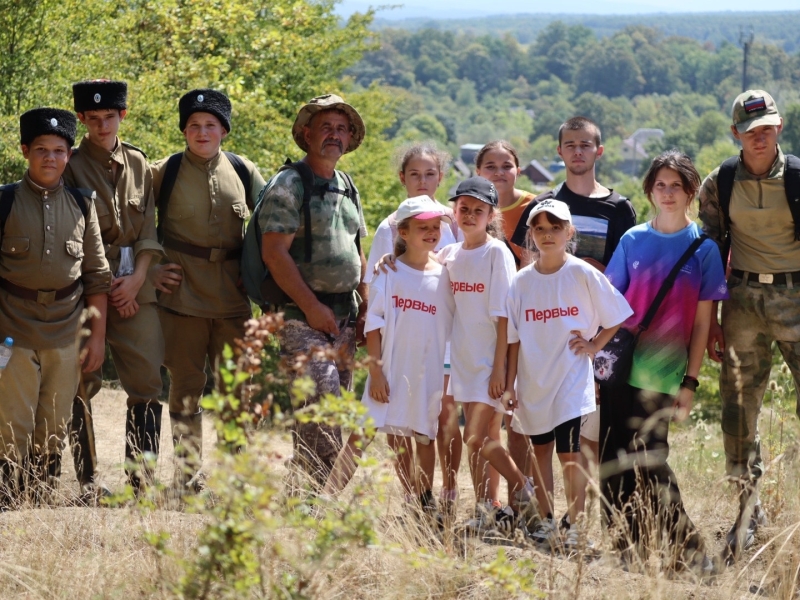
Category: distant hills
[779,28]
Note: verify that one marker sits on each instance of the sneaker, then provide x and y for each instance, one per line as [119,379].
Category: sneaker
[505,521]
[740,538]
[484,518]
[429,512]
[528,508]
[572,539]
[564,524]
[545,534]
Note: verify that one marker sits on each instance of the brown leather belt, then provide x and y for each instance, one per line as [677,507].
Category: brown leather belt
[40,296]
[773,278]
[210,254]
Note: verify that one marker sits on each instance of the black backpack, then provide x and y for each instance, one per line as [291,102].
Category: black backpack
[171,174]
[725,178]
[261,287]
[8,192]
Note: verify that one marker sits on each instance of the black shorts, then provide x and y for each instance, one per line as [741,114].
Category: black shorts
[567,437]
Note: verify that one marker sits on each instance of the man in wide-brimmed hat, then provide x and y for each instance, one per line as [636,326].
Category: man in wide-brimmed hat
[311,223]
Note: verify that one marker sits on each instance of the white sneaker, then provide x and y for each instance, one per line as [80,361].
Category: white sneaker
[545,534]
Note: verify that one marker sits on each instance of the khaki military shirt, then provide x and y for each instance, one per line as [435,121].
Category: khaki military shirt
[48,244]
[762,228]
[124,201]
[207,208]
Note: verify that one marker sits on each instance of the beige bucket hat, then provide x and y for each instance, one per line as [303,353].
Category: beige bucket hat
[328,102]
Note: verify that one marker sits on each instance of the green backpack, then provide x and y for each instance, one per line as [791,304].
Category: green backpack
[259,284]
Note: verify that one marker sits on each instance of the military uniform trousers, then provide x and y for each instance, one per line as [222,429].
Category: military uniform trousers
[36,392]
[137,347]
[188,340]
[755,315]
[317,446]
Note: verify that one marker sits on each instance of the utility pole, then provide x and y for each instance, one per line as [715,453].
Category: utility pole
[746,40]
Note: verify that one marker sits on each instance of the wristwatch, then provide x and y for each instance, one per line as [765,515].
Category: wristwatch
[690,383]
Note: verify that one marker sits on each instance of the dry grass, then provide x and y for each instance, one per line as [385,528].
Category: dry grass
[67,552]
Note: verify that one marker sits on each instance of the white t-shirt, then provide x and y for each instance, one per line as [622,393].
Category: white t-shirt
[553,384]
[480,279]
[414,311]
[383,243]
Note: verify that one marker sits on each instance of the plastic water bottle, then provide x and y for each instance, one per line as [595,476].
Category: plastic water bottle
[5,353]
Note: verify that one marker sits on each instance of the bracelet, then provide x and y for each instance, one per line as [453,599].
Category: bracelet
[690,383]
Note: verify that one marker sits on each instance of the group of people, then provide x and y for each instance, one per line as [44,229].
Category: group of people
[498,302]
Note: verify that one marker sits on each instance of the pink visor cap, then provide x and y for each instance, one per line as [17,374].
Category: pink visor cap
[421,207]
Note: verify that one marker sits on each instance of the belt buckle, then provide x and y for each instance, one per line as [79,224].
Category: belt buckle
[46,297]
[218,254]
[765,278]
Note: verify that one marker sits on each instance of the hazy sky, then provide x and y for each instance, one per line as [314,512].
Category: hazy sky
[442,9]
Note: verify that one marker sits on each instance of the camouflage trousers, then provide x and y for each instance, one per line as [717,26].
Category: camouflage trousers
[316,446]
[755,316]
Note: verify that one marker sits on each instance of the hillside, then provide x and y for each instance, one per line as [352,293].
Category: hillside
[778,28]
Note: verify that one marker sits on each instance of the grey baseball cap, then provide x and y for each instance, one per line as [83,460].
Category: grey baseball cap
[754,108]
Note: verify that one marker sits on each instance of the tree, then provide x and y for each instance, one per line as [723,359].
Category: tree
[790,137]
[711,126]
[611,70]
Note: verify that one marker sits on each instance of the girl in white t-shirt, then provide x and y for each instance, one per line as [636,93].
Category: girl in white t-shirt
[409,319]
[421,167]
[555,307]
[480,270]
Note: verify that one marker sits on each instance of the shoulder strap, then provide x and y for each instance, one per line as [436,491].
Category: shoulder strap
[242,171]
[350,192]
[132,147]
[725,178]
[791,181]
[6,202]
[669,281]
[165,191]
[307,177]
[80,195]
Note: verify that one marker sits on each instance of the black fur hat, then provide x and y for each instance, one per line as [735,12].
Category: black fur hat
[47,121]
[208,101]
[100,94]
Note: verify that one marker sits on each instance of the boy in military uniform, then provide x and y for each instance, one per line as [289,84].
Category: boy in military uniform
[52,263]
[123,185]
[203,198]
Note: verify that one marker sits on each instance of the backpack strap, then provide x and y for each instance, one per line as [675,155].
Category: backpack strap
[307,177]
[791,181]
[165,191]
[242,171]
[350,192]
[80,195]
[6,202]
[725,178]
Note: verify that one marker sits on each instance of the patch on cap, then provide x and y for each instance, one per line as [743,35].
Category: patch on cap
[200,98]
[97,98]
[755,104]
[53,122]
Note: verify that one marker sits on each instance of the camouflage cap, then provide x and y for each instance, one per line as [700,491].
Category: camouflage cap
[754,108]
[328,102]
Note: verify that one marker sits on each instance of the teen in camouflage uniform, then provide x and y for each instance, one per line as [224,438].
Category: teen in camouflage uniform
[764,300]
[326,296]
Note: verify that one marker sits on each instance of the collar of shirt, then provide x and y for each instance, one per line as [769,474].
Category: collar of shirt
[207,164]
[100,154]
[775,171]
[44,193]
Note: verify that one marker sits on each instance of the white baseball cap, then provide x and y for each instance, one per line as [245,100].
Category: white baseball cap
[421,207]
[557,208]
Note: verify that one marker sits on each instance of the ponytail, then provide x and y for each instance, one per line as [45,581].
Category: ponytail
[399,242]
[495,227]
